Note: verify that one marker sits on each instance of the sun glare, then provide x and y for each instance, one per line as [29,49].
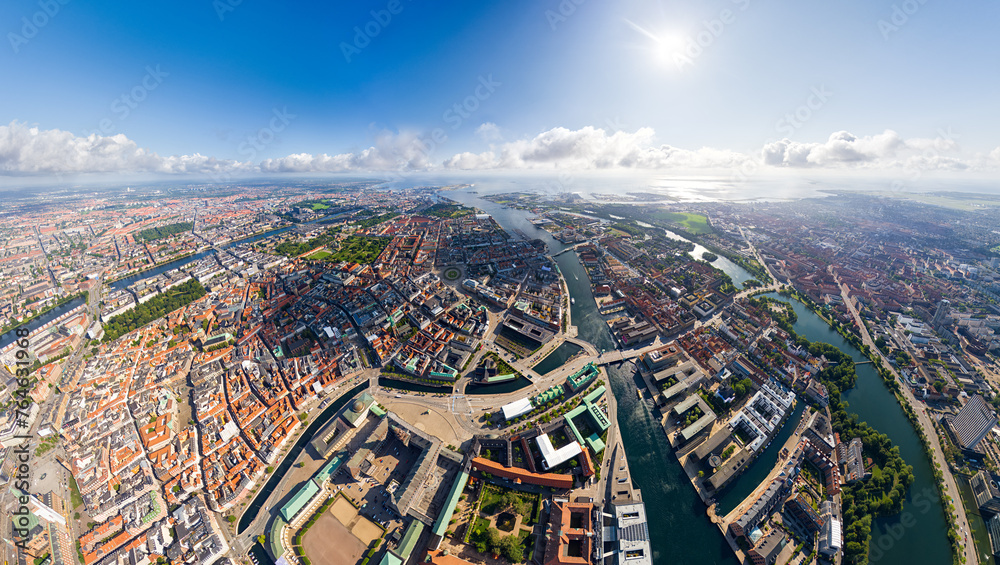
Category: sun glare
[665,47]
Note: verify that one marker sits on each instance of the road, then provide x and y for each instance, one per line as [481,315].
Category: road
[756,254]
[951,487]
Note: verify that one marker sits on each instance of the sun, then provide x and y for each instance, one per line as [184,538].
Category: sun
[668,46]
[665,46]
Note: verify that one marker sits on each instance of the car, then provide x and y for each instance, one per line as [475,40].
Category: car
[42,478]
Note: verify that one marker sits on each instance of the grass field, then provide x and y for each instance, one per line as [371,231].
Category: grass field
[443,210]
[359,249]
[315,205]
[319,255]
[692,223]
[75,499]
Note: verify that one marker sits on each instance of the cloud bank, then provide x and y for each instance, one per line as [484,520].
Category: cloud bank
[27,150]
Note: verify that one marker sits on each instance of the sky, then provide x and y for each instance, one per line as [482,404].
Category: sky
[214,88]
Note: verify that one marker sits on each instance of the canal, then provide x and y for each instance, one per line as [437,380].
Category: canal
[680,531]
[499,388]
[557,358]
[917,534]
[679,528]
[11,336]
[250,514]
[746,483]
[164,267]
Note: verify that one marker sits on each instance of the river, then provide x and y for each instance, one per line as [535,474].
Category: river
[757,471]
[11,336]
[164,267]
[679,528]
[923,541]
[680,531]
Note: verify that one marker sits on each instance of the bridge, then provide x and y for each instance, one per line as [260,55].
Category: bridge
[570,248]
[619,355]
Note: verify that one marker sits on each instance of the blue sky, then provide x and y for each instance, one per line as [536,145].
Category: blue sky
[689,85]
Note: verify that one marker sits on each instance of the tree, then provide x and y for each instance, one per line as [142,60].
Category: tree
[510,548]
[488,541]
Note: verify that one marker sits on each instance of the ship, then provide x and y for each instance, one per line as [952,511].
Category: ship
[572,300]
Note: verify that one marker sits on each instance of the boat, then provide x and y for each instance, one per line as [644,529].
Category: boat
[572,300]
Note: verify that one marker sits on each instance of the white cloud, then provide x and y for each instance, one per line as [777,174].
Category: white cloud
[28,150]
[887,150]
[489,132]
[391,152]
[593,148]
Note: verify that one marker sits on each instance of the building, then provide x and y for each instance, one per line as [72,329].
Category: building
[356,411]
[552,480]
[830,537]
[633,534]
[570,533]
[517,408]
[972,422]
[766,552]
[816,391]
[300,500]
[993,527]
[444,517]
[199,539]
[404,550]
[760,509]
[802,518]
[552,457]
[987,492]
[852,462]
